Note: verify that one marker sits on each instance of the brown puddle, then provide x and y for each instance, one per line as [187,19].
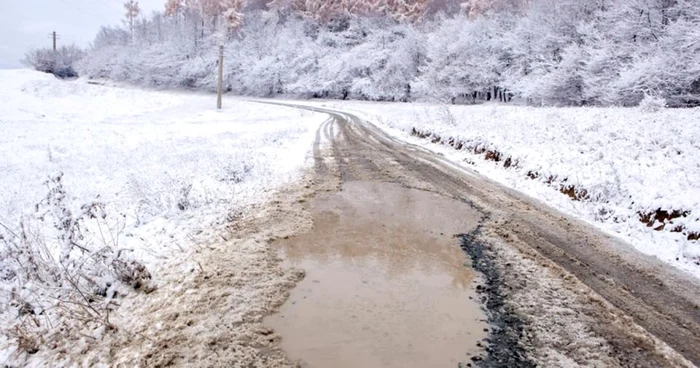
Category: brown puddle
[386,283]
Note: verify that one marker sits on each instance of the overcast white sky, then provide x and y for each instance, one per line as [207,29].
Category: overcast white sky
[27,23]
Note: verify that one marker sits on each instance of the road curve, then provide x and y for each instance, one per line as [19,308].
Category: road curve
[645,312]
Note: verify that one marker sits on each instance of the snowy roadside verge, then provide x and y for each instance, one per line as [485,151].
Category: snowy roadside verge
[631,172]
[168,172]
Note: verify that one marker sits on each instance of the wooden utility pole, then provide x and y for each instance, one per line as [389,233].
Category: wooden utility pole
[221,77]
[54,40]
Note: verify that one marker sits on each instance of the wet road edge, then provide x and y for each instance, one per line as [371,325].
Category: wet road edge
[504,343]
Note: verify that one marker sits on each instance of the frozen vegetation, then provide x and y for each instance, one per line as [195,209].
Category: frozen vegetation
[545,52]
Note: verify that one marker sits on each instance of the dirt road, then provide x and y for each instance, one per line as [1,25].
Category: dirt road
[557,291]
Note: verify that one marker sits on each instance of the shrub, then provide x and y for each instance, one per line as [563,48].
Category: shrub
[54,290]
[652,103]
[60,63]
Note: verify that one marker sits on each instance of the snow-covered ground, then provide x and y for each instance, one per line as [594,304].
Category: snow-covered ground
[167,167]
[144,154]
[629,161]
[171,170]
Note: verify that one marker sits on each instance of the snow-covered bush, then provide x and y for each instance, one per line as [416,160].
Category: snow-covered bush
[61,63]
[53,288]
[652,103]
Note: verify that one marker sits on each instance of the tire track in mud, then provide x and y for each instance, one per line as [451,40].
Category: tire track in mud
[629,309]
[319,162]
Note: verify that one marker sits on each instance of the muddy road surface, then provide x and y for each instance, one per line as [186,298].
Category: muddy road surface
[385,286]
[413,261]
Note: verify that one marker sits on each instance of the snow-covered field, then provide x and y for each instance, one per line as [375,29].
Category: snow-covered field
[165,168]
[629,161]
[146,155]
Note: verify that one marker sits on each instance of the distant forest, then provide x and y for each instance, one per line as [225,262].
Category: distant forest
[545,52]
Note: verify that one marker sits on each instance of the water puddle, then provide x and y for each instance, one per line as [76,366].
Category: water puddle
[386,283]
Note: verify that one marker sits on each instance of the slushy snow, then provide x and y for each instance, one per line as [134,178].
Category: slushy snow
[169,168]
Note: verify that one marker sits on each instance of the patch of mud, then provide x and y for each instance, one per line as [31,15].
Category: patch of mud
[386,284]
[549,317]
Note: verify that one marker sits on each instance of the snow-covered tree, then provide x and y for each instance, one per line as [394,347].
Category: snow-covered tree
[551,52]
[232,11]
[407,10]
[173,8]
[132,11]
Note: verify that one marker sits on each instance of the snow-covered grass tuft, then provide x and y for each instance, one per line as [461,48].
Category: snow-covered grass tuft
[651,104]
[102,186]
[56,287]
[631,171]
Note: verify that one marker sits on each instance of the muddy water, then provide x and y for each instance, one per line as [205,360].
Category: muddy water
[386,284]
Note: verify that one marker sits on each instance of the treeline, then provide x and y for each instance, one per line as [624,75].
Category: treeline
[547,52]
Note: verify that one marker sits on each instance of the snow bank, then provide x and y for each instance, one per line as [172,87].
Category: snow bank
[165,167]
[613,167]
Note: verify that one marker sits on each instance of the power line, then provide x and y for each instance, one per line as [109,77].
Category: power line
[111,5]
[73,8]
[85,11]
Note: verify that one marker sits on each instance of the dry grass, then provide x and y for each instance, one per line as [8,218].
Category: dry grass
[59,289]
